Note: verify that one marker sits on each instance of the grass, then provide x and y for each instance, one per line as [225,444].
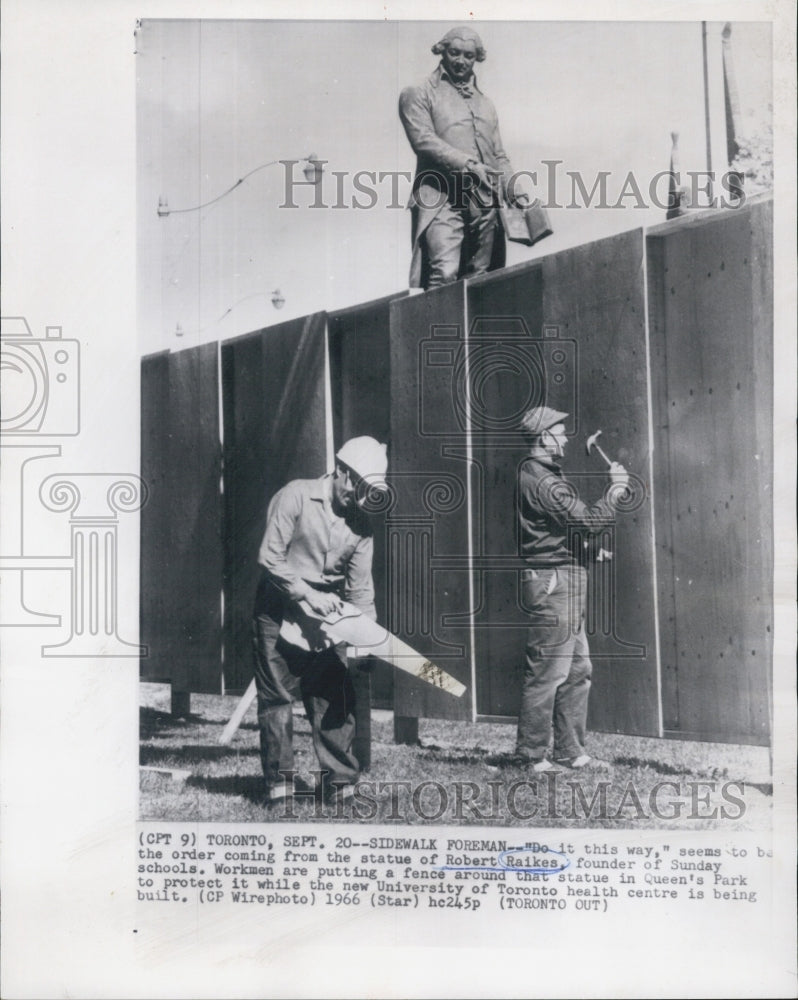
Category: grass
[477,783]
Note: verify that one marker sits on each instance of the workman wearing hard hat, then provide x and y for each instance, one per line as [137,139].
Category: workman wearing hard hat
[557,667]
[317,548]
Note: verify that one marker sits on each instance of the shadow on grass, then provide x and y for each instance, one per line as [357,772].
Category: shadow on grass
[153,721]
[189,754]
[219,722]
[252,789]
[249,787]
[493,760]
[662,767]
[479,755]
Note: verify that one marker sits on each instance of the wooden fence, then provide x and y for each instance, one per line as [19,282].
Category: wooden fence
[660,338]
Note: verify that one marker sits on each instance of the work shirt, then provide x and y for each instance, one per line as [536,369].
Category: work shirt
[549,511]
[306,544]
[446,130]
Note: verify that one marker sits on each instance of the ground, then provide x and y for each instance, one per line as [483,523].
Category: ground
[459,774]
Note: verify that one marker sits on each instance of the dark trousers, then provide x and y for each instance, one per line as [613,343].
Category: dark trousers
[557,667]
[459,241]
[285,673]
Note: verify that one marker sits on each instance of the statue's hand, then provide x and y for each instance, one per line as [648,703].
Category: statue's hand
[482,174]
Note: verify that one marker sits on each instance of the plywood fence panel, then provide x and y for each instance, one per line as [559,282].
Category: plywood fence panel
[429,598]
[508,375]
[359,346]
[156,594]
[274,431]
[181,522]
[711,323]
[571,335]
[594,295]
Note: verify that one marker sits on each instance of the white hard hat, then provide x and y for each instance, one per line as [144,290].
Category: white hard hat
[368,458]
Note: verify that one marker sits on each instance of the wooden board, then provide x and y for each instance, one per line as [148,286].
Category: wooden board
[274,431]
[573,323]
[427,525]
[595,294]
[155,592]
[181,522]
[359,346]
[508,373]
[711,327]
[196,541]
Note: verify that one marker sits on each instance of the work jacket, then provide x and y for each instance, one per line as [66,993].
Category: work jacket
[552,520]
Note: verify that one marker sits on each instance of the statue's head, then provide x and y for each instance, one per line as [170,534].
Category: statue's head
[459,49]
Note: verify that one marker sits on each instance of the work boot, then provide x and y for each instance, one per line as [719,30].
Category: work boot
[584,762]
[279,792]
[543,766]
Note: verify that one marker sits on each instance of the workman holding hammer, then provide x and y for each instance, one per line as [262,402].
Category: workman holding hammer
[317,549]
[462,169]
[557,667]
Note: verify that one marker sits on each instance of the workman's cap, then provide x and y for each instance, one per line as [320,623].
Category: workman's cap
[466,35]
[541,418]
[368,458]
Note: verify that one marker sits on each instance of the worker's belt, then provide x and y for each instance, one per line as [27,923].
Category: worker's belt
[328,588]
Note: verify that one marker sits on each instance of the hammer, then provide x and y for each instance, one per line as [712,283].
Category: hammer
[592,442]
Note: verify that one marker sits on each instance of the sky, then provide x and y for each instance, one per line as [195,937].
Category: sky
[216,99]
